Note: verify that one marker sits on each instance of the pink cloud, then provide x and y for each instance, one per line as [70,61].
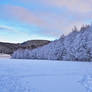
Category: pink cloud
[79,6]
[20,13]
[50,23]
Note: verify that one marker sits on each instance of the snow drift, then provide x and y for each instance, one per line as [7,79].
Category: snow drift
[77,46]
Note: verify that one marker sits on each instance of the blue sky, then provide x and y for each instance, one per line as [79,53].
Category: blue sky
[22,20]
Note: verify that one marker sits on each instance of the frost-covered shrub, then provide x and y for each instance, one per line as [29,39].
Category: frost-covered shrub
[77,46]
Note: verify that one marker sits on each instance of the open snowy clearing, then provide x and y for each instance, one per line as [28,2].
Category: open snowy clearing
[45,76]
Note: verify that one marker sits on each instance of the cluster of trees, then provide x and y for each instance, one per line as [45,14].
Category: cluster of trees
[77,46]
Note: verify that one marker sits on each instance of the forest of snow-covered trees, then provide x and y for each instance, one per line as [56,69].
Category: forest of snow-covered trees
[77,46]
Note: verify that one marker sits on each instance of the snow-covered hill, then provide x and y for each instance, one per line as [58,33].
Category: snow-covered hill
[77,46]
[45,76]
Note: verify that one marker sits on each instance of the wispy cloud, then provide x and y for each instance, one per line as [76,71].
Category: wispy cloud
[46,21]
[76,12]
[8,33]
[3,27]
[21,13]
[82,6]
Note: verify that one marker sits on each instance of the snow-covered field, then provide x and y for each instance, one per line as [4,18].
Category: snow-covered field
[45,76]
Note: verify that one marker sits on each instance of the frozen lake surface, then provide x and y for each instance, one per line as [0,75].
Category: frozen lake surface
[45,76]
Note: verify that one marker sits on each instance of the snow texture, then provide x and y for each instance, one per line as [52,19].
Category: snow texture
[77,46]
[45,76]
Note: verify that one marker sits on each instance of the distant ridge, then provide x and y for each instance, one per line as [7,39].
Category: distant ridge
[9,48]
[31,44]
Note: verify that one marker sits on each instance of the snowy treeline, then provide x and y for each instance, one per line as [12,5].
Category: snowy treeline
[76,46]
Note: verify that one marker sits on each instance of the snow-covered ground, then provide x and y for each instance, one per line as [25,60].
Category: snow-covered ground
[45,76]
